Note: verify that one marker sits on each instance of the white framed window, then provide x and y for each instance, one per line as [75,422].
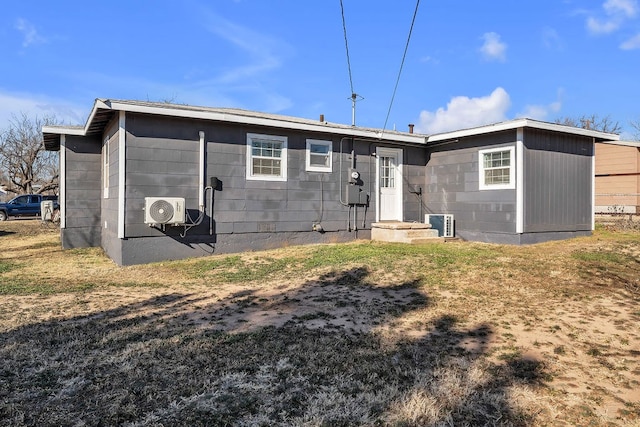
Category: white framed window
[266,157]
[105,168]
[387,171]
[497,168]
[319,155]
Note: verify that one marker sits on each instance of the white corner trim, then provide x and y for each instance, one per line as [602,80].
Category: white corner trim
[593,187]
[520,182]
[62,187]
[202,169]
[122,158]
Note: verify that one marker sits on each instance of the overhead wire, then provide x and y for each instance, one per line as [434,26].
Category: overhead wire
[346,45]
[406,48]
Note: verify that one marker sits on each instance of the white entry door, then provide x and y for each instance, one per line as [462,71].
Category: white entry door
[389,184]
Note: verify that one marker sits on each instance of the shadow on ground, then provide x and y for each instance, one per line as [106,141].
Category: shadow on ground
[313,355]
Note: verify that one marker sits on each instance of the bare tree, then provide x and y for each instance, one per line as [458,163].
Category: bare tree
[635,124]
[27,166]
[593,122]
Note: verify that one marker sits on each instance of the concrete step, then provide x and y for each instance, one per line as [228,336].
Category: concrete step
[404,232]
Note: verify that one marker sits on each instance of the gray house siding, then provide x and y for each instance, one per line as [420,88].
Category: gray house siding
[413,183]
[452,187]
[557,176]
[557,181]
[162,160]
[109,200]
[82,192]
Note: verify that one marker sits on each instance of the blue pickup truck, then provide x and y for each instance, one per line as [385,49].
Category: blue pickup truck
[26,205]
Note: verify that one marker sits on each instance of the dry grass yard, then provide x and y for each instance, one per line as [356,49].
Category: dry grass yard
[447,334]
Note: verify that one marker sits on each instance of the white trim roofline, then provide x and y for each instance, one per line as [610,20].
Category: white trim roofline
[65,130]
[521,123]
[232,115]
[235,116]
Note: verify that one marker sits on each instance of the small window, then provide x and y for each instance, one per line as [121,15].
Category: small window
[266,157]
[387,172]
[319,155]
[497,168]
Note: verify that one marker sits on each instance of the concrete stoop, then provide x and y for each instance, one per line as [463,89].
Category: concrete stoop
[404,232]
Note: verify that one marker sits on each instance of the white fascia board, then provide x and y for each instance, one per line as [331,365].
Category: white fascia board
[263,121]
[62,130]
[521,123]
[570,129]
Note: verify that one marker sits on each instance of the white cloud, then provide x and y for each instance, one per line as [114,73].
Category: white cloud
[31,35]
[263,55]
[262,52]
[551,39]
[596,26]
[12,104]
[632,43]
[493,48]
[464,112]
[628,8]
[540,112]
[617,13]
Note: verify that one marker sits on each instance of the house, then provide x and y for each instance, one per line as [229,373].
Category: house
[617,177]
[154,181]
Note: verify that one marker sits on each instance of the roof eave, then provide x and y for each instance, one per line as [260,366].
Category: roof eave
[269,122]
[521,123]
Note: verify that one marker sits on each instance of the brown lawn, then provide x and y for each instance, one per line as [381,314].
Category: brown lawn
[355,334]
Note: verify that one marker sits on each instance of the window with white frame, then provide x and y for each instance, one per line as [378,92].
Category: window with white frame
[319,155]
[387,172]
[497,168]
[266,157]
[105,168]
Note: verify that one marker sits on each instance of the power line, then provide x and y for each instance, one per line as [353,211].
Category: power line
[346,45]
[406,48]
[354,96]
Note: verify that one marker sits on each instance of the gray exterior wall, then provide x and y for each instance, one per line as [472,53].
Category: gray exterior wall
[558,178]
[452,187]
[109,204]
[557,194]
[82,195]
[162,160]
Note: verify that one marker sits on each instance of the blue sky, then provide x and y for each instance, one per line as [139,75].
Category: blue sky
[469,62]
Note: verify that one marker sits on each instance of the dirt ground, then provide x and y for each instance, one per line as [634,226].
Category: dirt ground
[453,334]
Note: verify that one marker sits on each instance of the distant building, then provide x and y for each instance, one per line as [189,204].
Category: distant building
[617,177]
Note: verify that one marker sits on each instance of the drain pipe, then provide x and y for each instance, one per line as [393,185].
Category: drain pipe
[202,190]
[202,170]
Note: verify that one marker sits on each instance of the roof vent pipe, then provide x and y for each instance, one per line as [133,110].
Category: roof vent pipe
[411,127]
[322,118]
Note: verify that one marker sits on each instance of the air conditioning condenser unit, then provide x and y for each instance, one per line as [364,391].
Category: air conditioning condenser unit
[441,222]
[164,210]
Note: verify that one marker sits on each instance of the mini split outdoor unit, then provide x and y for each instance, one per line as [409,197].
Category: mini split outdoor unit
[441,222]
[164,210]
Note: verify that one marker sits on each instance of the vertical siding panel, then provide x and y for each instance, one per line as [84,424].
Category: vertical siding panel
[559,201]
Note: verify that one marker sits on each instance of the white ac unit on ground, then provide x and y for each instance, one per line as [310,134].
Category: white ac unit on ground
[46,210]
[164,210]
[441,222]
